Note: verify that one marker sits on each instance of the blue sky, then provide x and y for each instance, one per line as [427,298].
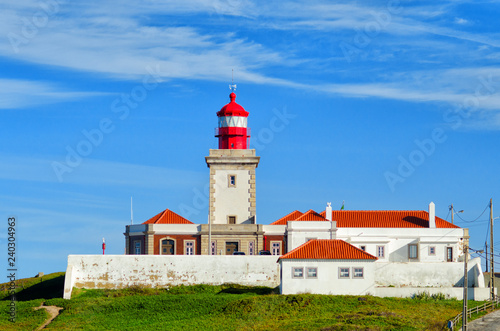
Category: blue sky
[386,106]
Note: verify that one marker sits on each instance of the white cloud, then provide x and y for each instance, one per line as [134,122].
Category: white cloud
[16,93]
[97,173]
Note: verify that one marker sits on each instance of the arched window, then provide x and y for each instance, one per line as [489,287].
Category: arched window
[167,247]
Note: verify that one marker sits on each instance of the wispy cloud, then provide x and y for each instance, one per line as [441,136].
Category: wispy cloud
[93,172]
[114,40]
[15,93]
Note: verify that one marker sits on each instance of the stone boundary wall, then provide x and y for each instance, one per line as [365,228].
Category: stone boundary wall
[120,271]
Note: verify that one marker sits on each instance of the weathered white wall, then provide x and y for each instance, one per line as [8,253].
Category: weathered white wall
[328,281]
[420,274]
[119,271]
[474,293]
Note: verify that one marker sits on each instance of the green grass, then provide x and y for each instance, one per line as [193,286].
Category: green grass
[228,307]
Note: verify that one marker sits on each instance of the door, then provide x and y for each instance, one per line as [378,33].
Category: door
[449,254]
[231,247]
[167,247]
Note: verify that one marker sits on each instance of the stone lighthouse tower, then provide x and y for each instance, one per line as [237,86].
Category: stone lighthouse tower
[232,209]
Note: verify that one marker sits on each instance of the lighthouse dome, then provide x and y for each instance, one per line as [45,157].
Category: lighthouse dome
[232,108]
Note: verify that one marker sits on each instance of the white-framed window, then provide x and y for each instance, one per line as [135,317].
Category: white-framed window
[363,248]
[251,249]
[381,252]
[231,219]
[231,180]
[189,247]
[213,248]
[412,251]
[344,272]
[137,247]
[312,272]
[432,250]
[275,247]
[297,272]
[357,272]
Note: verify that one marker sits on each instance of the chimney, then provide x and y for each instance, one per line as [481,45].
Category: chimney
[328,211]
[432,215]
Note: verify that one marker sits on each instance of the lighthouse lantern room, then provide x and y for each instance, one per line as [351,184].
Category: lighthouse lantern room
[232,129]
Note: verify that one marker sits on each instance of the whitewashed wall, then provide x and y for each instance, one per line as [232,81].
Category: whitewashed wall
[473,293]
[298,233]
[420,274]
[396,240]
[328,281]
[119,271]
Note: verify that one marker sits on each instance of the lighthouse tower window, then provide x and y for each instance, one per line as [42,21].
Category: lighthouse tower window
[231,180]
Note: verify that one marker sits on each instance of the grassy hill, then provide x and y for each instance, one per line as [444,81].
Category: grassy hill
[226,307]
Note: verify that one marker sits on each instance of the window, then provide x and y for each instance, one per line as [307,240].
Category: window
[231,181]
[381,252]
[251,248]
[358,273]
[432,250]
[213,248]
[231,220]
[413,251]
[449,254]
[276,248]
[297,272]
[363,248]
[312,272]
[137,246]
[344,272]
[189,247]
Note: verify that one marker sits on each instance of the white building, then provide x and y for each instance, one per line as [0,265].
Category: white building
[325,266]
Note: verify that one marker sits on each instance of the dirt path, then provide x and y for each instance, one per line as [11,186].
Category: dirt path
[53,311]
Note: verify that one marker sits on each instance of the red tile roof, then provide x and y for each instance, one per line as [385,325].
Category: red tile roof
[311,215]
[385,219]
[327,249]
[167,217]
[290,217]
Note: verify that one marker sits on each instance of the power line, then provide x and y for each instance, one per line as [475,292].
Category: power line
[487,206]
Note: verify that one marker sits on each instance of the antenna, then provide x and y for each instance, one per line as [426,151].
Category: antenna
[232,86]
[131,212]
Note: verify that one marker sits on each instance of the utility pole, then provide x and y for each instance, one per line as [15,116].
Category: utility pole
[492,269]
[466,257]
[486,250]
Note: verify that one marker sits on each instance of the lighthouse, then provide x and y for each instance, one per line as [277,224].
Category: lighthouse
[232,204]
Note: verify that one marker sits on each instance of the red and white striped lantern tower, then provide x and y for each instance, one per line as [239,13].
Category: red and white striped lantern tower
[232,131]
